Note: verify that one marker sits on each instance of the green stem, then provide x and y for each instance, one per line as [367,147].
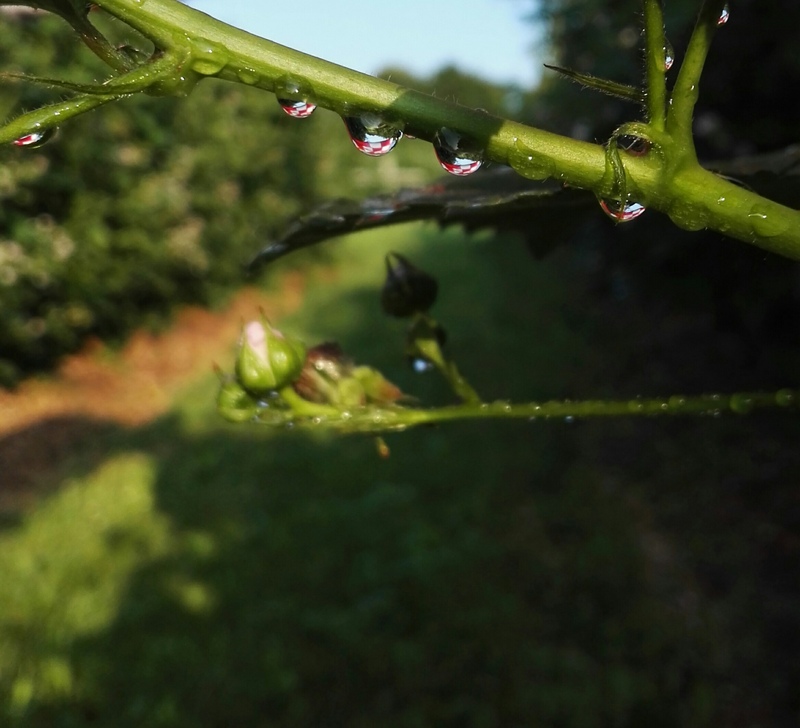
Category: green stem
[686,89]
[387,419]
[671,182]
[47,117]
[655,57]
[428,346]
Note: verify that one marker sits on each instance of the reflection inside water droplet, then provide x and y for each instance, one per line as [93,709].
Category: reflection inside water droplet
[457,154]
[372,135]
[633,145]
[669,55]
[724,16]
[297,109]
[620,211]
[36,138]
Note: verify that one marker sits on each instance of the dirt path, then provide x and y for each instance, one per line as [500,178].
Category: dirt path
[42,420]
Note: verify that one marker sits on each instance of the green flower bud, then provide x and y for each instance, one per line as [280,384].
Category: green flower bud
[234,403]
[267,360]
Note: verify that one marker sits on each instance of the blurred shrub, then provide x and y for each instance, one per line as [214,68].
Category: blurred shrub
[148,202]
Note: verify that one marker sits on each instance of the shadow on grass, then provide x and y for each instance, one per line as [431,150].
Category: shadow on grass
[593,574]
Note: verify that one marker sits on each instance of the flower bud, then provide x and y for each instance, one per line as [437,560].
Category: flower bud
[267,360]
[407,289]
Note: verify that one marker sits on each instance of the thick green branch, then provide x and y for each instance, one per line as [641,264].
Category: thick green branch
[670,181]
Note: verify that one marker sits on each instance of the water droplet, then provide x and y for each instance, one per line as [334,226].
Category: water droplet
[724,16]
[677,402]
[297,109]
[36,138]
[569,419]
[421,365]
[741,403]
[248,75]
[524,161]
[784,397]
[688,216]
[635,405]
[766,224]
[620,211]
[372,135]
[208,58]
[669,55]
[635,146]
[457,154]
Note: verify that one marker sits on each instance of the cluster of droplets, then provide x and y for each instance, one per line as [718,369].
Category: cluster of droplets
[374,136]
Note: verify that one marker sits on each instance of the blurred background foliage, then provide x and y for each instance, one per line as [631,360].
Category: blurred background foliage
[187,573]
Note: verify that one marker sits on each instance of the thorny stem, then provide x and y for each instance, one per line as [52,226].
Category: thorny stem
[655,56]
[672,182]
[686,89]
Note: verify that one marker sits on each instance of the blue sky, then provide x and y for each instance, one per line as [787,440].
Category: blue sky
[485,37]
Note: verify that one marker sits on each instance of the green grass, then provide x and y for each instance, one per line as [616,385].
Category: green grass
[191,573]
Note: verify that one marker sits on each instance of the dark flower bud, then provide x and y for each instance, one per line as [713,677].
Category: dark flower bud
[407,289]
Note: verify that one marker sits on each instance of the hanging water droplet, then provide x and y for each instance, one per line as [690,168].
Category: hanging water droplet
[372,135]
[669,55]
[633,145]
[620,211]
[36,138]
[297,109]
[457,154]
[569,419]
[724,16]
